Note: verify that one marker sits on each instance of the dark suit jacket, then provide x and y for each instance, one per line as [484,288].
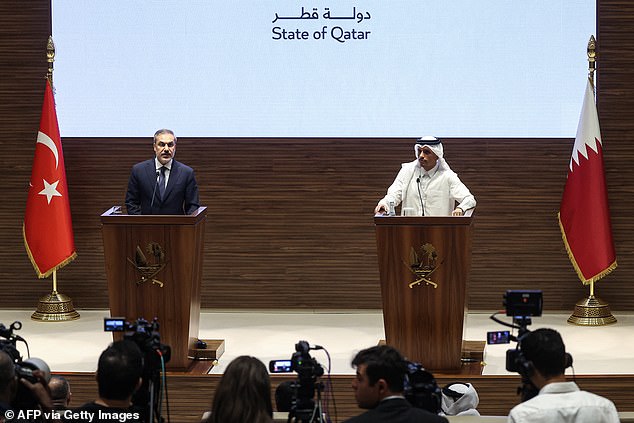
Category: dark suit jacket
[181,193]
[396,410]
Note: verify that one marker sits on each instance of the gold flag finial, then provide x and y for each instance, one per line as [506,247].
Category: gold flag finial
[50,58]
[592,54]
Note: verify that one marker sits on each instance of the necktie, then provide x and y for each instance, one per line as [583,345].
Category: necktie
[161,182]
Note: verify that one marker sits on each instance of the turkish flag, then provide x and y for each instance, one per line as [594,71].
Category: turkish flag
[48,230]
[584,215]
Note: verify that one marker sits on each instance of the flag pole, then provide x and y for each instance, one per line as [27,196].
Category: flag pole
[54,307]
[592,311]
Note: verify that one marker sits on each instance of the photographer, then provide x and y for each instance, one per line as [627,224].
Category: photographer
[37,392]
[8,383]
[542,360]
[118,376]
[378,387]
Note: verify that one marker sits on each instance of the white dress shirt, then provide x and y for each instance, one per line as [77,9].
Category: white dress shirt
[168,169]
[564,402]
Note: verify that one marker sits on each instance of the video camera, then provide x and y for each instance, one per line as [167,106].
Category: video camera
[421,389]
[145,334]
[521,305]
[147,337]
[308,371]
[24,369]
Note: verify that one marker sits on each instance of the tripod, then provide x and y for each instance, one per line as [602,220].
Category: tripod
[307,410]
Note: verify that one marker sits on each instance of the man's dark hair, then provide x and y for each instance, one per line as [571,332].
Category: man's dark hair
[546,350]
[7,371]
[383,362]
[119,369]
[60,389]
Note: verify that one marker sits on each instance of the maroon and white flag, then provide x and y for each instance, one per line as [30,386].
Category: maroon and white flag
[584,215]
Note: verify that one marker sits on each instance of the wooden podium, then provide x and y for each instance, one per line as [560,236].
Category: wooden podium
[424,265]
[154,269]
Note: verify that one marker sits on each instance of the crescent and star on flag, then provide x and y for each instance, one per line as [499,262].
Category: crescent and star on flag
[50,189]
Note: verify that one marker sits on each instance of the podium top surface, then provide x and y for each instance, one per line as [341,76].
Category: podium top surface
[114,216]
[423,220]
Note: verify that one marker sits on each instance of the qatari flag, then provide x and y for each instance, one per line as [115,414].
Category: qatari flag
[584,215]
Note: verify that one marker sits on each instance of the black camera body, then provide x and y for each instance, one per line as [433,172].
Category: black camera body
[421,389]
[147,337]
[24,369]
[514,360]
[145,334]
[523,303]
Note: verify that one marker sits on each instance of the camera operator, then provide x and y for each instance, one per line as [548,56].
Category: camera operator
[118,377]
[9,387]
[542,359]
[379,385]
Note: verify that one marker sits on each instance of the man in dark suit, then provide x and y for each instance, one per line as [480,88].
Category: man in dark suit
[162,185]
[379,386]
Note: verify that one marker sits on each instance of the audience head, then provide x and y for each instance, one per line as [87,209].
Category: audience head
[380,373]
[60,392]
[119,370]
[243,393]
[284,396]
[8,380]
[544,350]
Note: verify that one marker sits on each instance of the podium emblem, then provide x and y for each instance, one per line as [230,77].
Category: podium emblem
[148,270]
[423,263]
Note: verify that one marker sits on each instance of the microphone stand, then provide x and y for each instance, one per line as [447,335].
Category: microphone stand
[158,175]
[420,196]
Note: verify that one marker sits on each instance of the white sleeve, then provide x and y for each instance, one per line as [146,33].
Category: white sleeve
[459,192]
[395,191]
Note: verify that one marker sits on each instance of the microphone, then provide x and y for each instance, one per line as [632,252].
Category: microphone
[422,206]
[158,175]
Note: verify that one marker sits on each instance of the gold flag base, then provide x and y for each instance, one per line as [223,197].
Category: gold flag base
[592,311]
[55,307]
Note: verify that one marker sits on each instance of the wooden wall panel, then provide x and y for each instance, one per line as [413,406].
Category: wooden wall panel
[290,219]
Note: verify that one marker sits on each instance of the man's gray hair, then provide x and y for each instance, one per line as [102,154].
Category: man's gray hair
[161,132]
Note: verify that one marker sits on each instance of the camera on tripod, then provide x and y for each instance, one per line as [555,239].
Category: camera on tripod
[147,337]
[303,406]
[143,333]
[521,305]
